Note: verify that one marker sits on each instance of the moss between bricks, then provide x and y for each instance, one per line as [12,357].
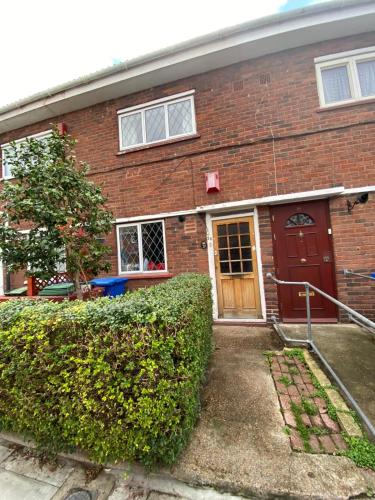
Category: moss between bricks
[359,449]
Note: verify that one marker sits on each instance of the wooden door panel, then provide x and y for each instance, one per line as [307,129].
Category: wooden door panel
[303,252]
[236,268]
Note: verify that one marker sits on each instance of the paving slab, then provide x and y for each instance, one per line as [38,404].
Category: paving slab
[16,487]
[239,445]
[100,488]
[31,467]
[5,452]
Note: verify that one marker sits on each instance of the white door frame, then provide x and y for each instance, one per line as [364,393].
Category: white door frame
[211,264]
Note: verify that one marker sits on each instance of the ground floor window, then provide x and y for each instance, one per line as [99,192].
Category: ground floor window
[141,247]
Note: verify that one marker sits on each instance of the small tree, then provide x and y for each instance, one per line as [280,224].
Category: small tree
[63,210]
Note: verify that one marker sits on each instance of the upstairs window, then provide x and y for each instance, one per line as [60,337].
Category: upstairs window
[5,152]
[157,121]
[346,77]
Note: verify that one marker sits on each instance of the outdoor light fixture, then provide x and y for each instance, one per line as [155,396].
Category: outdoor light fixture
[362,198]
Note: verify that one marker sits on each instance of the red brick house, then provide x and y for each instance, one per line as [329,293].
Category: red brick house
[235,154]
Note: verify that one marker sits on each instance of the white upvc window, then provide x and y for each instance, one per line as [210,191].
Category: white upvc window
[346,77]
[6,164]
[157,121]
[141,247]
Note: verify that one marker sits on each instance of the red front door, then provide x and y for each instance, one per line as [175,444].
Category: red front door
[303,252]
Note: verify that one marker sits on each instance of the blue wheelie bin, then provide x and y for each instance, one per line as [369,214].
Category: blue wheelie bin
[112,286]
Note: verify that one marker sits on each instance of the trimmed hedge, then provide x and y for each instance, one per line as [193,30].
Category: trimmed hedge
[118,378]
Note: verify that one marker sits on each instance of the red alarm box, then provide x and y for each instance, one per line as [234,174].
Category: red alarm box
[212,182]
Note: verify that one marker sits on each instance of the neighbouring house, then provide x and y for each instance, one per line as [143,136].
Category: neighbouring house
[235,154]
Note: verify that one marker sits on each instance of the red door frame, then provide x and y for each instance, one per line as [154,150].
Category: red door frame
[277,212]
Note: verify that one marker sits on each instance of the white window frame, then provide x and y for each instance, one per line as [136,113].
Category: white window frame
[140,248]
[348,59]
[142,108]
[4,147]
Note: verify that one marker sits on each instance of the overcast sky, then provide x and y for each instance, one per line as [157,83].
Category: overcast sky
[46,42]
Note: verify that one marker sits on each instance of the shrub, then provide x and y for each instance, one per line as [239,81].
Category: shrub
[118,378]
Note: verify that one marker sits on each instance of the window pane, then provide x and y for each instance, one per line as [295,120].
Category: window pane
[155,124]
[223,254]
[247,266]
[245,240]
[129,248]
[366,74]
[235,254]
[244,228]
[131,129]
[222,230]
[299,220]
[153,247]
[232,229]
[223,242]
[246,253]
[6,164]
[224,267]
[236,267]
[179,118]
[336,84]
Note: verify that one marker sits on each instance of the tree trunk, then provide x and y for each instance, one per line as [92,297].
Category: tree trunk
[78,286]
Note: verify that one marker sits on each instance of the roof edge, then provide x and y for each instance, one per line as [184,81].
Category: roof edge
[188,44]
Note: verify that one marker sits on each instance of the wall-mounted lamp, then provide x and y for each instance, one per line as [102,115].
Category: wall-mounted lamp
[362,198]
[181,218]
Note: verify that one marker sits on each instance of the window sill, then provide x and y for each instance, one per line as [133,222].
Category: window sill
[346,105]
[146,276]
[158,144]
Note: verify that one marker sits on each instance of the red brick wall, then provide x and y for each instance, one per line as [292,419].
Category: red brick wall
[354,248]
[263,139]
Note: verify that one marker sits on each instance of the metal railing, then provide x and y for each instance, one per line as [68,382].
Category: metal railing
[309,342]
[348,272]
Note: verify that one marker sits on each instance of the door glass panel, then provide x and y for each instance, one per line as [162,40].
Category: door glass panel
[244,228]
[247,266]
[223,242]
[236,266]
[224,267]
[246,253]
[224,255]
[222,230]
[235,254]
[299,220]
[233,241]
[245,240]
[235,249]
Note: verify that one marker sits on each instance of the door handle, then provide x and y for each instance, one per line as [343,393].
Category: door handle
[303,261]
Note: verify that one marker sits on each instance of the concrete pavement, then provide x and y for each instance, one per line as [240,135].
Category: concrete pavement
[239,444]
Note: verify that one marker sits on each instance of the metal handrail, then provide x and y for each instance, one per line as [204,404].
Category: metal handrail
[309,342]
[348,272]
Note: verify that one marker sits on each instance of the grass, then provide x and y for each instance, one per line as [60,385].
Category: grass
[361,451]
[320,392]
[295,353]
[309,407]
[303,431]
[285,381]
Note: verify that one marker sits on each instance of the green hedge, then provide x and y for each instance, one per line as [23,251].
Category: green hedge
[118,378]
